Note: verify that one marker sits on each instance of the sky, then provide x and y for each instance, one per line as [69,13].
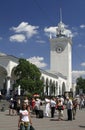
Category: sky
[25,27]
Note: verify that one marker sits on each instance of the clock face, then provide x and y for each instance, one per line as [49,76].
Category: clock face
[59,49]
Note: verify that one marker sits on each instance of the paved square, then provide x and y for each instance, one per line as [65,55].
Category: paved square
[10,122]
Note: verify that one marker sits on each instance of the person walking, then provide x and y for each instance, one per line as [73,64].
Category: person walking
[33,104]
[24,121]
[53,106]
[60,108]
[75,104]
[18,105]
[11,106]
[69,108]
[47,108]
[27,103]
[37,106]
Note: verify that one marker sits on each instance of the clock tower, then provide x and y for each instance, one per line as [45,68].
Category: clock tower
[61,53]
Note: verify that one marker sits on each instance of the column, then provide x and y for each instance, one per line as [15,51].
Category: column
[44,88]
[8,85]
[58,90]
[48,89]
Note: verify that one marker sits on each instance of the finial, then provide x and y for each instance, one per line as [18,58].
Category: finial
[60,15]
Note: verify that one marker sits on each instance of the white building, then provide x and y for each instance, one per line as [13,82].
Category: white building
[7,77]
[58,79]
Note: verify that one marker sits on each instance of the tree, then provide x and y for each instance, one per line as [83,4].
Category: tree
[28,77]
[80,84]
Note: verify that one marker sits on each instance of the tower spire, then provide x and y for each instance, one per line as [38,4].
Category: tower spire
[60,15]
[61,27]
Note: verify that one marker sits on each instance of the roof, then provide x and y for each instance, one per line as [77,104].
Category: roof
[53,74]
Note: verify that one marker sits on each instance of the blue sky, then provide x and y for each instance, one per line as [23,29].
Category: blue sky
[25,25]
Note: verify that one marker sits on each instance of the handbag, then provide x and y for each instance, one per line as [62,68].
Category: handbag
[60,107]
[32,128]
[24,123]
[35,108]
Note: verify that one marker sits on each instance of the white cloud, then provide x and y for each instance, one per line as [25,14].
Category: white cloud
[40,41]
[38,61]
[21,54]
[80,45]
[83,64]
[74,34]
[82,26]
[68,33]
[1,38]
[76,74]
[17,38]
[50,30]
[26,29]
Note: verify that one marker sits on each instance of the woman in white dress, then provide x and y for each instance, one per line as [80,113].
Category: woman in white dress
[47,108]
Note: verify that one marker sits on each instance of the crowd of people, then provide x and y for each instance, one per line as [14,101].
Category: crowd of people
[24,108]
[60,103]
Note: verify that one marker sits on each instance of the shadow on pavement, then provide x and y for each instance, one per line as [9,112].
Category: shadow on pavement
[81,126]
[56,120]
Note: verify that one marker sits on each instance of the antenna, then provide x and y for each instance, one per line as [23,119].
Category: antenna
[60,15]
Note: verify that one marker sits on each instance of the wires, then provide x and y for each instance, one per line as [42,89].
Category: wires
[43,11]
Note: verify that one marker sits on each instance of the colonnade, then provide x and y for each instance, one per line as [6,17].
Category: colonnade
[53,86]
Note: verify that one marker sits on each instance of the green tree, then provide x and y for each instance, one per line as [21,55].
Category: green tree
[80,84]
[28,77]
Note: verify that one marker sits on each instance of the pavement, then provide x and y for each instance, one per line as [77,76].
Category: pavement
[11,122]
